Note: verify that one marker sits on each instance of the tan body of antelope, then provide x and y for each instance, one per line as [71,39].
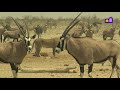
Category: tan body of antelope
[39,30]
[12,34]
[77,33]
[14,52]
[89,33]
[45,43]
[88,51]
[8,27]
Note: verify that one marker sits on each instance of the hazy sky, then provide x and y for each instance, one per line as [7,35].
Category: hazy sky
[61,14]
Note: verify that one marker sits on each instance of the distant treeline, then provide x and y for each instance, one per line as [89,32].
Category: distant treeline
[42,20]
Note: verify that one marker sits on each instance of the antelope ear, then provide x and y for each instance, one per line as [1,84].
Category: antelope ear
[33,37]
[62,38]
[21,37]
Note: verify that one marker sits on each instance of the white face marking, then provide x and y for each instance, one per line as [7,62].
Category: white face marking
[28,39]
[62,38]
[30,47]
[58,50]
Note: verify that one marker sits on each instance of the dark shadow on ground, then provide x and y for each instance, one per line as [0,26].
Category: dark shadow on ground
[66,70]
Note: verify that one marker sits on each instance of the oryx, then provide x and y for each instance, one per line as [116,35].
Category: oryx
[109,33]
[88,51]
[14,52]
[40,29]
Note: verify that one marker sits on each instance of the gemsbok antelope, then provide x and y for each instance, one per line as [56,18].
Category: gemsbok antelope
[12,34]
[109,33]
[14,52]
[88,51]
[39,30]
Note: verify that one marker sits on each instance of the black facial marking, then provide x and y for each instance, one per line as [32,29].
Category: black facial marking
[61,45]
[27,43]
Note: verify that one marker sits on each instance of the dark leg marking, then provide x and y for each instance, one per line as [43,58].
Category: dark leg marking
[113,66]
[90,70]
[54,52]
[81,70]
[4,38]
[1,38]
[14,69]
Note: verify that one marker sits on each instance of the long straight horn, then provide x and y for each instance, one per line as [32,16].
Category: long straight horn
[70,28]
[18,26]
[70,24]
[27,28]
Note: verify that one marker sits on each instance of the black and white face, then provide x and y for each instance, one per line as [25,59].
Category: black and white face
[28,42]
[60,46]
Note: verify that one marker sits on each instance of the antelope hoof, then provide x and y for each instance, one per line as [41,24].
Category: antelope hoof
[81,75]
[90,75]
[36,55]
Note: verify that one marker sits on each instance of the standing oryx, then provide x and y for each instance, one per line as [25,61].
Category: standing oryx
[8,27]
[109,33]
[14,52]
[12,34]
[39,30]
[88,51]
[89,32]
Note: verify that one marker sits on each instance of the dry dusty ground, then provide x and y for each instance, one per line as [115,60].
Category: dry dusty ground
[55,67]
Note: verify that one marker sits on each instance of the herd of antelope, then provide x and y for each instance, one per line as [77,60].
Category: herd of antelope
[85,50]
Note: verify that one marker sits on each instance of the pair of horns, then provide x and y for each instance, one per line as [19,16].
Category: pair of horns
[21,28]
[71,25]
